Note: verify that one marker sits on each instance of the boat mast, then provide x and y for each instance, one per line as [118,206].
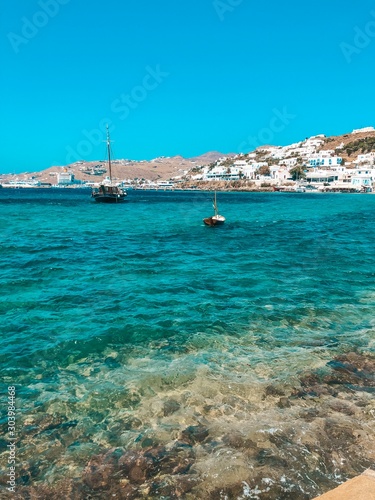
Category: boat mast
[215,205]
[109,154]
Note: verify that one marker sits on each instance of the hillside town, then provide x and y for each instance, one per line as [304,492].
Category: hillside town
[310,164]
[327,164]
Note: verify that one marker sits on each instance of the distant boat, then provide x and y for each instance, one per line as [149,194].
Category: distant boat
[108,192]
[215,220]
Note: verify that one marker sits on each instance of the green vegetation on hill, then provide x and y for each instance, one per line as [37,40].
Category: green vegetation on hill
[363,146]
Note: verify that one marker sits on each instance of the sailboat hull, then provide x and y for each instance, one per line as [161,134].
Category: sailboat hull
[107,194]
[216,220]
[109,199]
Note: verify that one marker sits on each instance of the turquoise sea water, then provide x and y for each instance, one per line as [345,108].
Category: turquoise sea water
[124,325]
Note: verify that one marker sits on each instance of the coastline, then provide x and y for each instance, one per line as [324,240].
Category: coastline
[207,187]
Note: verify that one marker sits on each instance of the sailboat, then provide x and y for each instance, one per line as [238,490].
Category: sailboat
[215,220]
[108,192]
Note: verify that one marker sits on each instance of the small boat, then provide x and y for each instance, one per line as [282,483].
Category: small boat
[215,220]
[108,192]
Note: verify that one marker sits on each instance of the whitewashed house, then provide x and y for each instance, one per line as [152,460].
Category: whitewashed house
[362,182]
[279,174]
[313,143]
[322,176]
[222,173]
[342,171]
[365,129]
[323,159]
[240,164]
[289,162]
[363,178]
[367,158]
[65,178]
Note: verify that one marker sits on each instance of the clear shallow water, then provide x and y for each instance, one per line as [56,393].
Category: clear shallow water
[124,325]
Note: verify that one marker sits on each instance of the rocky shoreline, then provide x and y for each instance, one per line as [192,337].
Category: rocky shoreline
[325,434]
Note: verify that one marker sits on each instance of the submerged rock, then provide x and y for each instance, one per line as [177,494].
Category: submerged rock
[170,407]
[238,441]
[283,403]
[195,434]
[273,390]
[268,457]
[341,406]
[136,467]
[352,369]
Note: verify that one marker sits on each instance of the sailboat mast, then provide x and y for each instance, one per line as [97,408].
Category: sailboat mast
[109,154]
[215,205]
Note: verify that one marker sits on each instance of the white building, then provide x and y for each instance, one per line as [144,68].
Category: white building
[222,173]
[323,159]
[65,178]
[363,179]
[313,142]
[165,185]
[366,158]
[279,174]
[365,129]
[289,162]
[322,176]
[342,172]
[240,164]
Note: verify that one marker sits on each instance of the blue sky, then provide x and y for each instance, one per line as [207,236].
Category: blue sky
[179,77]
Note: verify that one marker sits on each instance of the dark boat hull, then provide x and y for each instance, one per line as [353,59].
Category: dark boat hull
[108,198]
[109,194]
[212,221]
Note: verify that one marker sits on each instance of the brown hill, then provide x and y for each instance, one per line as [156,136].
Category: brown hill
[210,157]
[162,168]
[353,144]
